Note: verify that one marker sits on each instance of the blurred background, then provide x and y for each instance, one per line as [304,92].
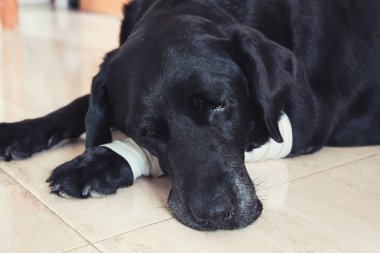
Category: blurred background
[50,50]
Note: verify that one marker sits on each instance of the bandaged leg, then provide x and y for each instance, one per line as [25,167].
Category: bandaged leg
[142,162]
[273,150]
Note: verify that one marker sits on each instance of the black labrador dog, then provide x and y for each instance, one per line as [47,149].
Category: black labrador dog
[199,82]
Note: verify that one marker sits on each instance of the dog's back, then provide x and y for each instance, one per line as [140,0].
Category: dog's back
[335,99]
[336,44]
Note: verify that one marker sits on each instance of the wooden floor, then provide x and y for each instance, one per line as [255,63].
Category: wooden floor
[325,202]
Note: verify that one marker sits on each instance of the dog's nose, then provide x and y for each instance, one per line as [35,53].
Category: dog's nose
[214,212]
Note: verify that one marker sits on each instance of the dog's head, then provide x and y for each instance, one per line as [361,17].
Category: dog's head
[198,91]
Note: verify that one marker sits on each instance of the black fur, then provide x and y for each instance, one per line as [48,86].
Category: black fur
[20,140]
[98,172]
[199,82]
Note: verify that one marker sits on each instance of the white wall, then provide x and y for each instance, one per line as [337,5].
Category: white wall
[59,3]
[30,2]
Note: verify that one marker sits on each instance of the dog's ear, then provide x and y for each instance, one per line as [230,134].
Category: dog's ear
[133,11]
[270,70]
[99,117]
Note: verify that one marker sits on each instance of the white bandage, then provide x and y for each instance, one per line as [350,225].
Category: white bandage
[273,149]
[142,162]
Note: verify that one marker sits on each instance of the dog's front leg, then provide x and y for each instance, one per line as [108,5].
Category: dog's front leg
[100,171]
[20,140]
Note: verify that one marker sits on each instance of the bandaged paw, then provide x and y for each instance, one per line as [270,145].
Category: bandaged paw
[142,162]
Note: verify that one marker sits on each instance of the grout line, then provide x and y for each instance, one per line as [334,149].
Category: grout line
[327,169]
[93,246]
[68,224]
[47,206]
[4,171]
[133,230]
[151,224]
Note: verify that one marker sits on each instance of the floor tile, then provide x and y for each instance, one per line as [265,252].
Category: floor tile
[84,249]
[52,57]
[29,226]
[171,236]
[332,211]
[87,216]
[11,112]
[274,172]
[133,207]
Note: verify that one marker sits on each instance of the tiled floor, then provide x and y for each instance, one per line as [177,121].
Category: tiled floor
[325,202]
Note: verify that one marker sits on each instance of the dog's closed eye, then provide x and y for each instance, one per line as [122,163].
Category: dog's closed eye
[220,107]
[201,103]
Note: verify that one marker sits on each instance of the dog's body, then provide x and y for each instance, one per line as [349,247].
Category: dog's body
[198,83]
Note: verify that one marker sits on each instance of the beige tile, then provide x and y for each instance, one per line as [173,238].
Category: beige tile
[52,57]
[84,249]
[171,236]
[11,112]
[142,204]
[29,226]
[269,173]
[332,211]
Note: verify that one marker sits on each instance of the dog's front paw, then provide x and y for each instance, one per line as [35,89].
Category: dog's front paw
[97,172]
[18,140]
[22,139]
